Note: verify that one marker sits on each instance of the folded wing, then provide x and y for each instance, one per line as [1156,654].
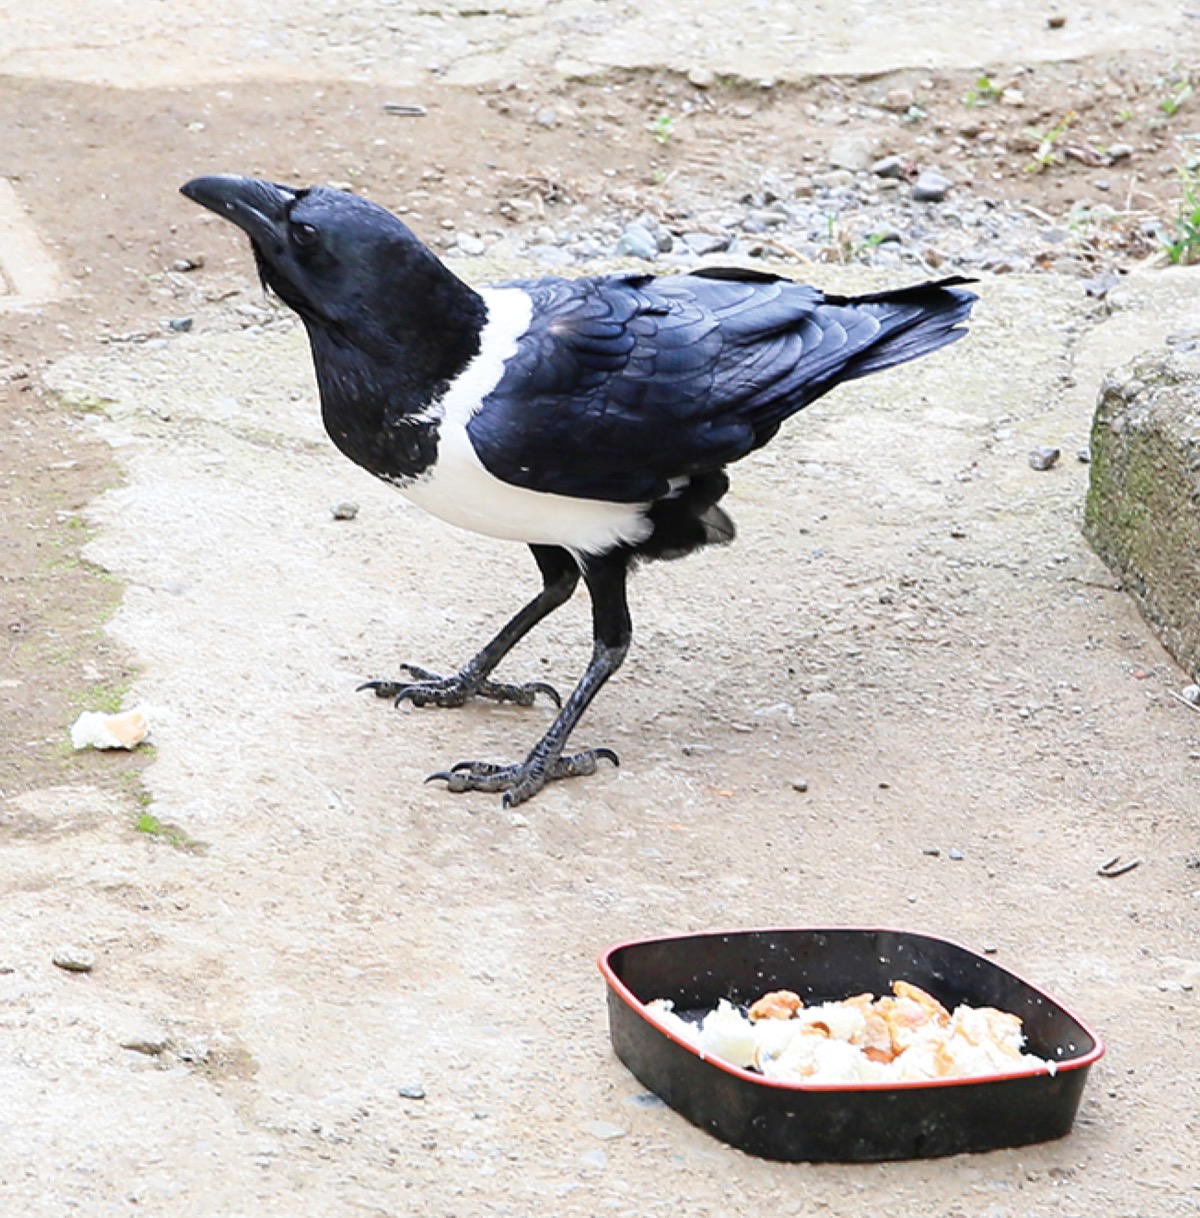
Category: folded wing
[623,384]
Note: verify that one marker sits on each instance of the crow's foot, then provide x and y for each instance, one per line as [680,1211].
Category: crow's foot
[523,781]
[430,689]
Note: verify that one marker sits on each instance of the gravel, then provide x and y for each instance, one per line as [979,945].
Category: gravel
[1044,457]
[887,212]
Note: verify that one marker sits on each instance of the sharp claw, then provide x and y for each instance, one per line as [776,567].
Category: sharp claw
[441,776]
[608,755]
[540,687]
[382,689]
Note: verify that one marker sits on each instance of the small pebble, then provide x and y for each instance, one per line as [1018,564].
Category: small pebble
[931,186]
[411,1091]
[638,242]
[1044,457]
[150,1040]
[468,245]
[75,959]
[799,784]
[198,1054]
[955,854]
[181,325]
[701,78]
[889,167]
[1100,286]
[932,851]
[1056,21]
[346,509]
[183,265]
[594,1158]
[1084,456]
[645,1099]
[899,100]
[606,1131]
[705,243]
[853,151]
[1191,693]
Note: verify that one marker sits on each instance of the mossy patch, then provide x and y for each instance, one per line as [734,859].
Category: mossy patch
[1143,506]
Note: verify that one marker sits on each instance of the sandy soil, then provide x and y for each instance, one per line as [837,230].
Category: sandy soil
[307,935]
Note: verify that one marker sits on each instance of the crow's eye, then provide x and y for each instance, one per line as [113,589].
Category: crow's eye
[304,235]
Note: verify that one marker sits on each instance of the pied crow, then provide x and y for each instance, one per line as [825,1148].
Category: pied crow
[591,418]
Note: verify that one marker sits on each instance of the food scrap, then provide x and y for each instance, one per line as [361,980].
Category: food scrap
[907,1036]
[95,729]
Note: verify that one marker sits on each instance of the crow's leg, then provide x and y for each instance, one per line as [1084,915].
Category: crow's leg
[612,631]
[560,575]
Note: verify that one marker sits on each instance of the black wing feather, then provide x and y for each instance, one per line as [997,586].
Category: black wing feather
[622,384]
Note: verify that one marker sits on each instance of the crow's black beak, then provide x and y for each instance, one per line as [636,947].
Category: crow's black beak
[258,208]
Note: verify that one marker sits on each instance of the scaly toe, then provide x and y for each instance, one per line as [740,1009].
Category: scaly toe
[519,695]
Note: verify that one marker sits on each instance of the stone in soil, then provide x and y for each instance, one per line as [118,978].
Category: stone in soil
[853,151]
[705,243]
[150,1040]
[637,242]
[74,959]
[931,186]
[606,1131]
[469,246]
[1044,457]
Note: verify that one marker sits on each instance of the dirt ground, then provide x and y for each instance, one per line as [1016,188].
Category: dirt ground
[918,633]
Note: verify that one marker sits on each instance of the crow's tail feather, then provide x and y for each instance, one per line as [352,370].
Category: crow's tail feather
[914,321]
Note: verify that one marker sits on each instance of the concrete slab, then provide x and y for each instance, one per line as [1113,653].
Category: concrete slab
[136,44]
[29,274]
[911,618]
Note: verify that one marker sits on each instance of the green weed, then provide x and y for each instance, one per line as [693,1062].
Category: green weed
[1047,153]
[984,92]
[173,835]
[1183,247]
[1180,91]
[662,128]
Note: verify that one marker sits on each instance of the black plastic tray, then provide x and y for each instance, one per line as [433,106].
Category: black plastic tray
[841,1123]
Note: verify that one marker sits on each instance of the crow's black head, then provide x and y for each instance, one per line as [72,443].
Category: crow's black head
[342,262]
